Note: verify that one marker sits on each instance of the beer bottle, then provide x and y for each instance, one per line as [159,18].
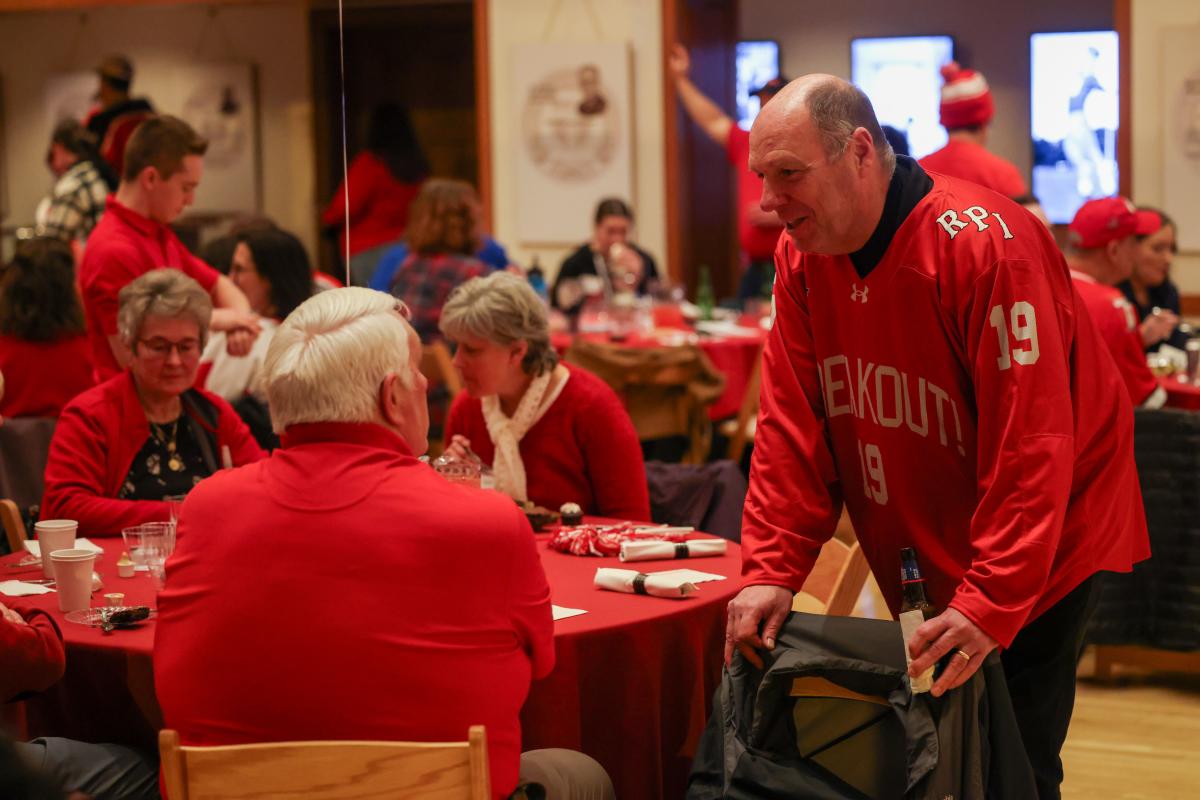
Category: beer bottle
[914,610]
[704,294]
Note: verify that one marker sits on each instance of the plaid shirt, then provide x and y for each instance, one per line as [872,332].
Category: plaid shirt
[424,282]
[75,204]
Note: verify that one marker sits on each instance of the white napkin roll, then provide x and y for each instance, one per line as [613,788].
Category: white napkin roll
[631,581]
[652,551]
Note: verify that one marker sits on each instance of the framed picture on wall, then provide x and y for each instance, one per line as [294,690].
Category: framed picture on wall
[573,147]
[219,100]
[1181,134]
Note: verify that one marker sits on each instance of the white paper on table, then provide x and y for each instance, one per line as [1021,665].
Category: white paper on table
[22,589]
[658,584]
[691,575]
[726,328]
[657,550]
[560,612]
[34,547]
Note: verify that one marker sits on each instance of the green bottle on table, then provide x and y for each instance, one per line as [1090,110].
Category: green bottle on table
[704,294]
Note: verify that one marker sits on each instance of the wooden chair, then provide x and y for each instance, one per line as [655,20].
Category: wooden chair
[740,431]
[838,577]
[327,770]
[437,365]
[14,527]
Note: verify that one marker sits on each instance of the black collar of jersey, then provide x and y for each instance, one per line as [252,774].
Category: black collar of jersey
[908,186]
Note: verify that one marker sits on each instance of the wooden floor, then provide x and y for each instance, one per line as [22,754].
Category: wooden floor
[1137,738]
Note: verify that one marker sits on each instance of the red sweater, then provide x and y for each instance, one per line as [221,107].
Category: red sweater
[123,246]
[973,162]
[757,241]
[583,450]
[42,377]
[1116,321]
[393,604]
[959,402]
[378,205]
[31,656]
[94,444]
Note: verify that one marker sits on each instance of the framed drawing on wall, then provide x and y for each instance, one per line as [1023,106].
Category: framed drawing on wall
[573,148]
[1181,134]
[219,100]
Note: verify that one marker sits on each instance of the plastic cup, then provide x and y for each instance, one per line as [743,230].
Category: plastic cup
[54,534]
[73,571]
[140,539]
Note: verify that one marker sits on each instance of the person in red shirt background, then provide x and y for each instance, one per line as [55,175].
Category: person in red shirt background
[43,348]
[32,659]
[1102,251]
[163,166]
[553,433]
[758,231]
[383,180]
[930,368]
[966,112]
[416,607]
[119,114]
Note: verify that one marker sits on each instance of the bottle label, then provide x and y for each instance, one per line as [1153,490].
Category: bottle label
[909,622]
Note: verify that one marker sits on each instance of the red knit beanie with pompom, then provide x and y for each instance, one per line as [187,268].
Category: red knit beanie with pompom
[966,99]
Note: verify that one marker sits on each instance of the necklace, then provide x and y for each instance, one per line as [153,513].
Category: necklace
[174,462]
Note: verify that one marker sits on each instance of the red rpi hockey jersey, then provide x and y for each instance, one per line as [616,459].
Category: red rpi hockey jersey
[959,402]
[1116,321]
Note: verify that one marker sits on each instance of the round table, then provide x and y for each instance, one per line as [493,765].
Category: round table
[1180,394]
[631,687]
[733,356]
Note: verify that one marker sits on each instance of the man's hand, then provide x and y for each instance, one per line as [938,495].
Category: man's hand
[753,605]
[231,319]
[1158,326]
[949,632]
[678,61]
[9,615]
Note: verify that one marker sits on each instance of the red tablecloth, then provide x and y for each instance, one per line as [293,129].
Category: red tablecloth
[733,356]
[1181,395]
[632,685]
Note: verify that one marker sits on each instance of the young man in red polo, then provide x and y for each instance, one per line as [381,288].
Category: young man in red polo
[163,165]
[1102,251]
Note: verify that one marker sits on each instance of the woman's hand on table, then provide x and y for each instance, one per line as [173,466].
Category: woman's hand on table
[755,605]
[459,447]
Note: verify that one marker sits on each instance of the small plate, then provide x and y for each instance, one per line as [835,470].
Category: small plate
[94,617]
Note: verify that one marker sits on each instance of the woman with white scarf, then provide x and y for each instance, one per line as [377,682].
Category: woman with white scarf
[552,433]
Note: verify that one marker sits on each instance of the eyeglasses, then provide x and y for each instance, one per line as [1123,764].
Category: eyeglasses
[161,348]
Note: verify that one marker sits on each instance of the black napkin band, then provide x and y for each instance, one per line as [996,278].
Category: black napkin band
[681,550]
[639,583]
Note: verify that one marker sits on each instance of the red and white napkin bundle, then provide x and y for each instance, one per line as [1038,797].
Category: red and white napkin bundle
[606,540]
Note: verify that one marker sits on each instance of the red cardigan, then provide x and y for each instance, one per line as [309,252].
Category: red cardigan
[31,656]
[354,594]
[32,390]
[378,205]
[583,450]
[94,445]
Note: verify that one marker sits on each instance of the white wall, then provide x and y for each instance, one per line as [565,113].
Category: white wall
[274,36]
[993,37]
[1150,19]
[636,22]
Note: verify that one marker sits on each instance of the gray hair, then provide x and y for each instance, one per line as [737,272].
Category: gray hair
[166,293]
[502,308]
[837,109]
[328,359]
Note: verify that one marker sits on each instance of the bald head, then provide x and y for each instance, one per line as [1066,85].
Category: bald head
[824,161]
[836,108]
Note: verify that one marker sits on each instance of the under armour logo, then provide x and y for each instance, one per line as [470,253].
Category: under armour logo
[859,295]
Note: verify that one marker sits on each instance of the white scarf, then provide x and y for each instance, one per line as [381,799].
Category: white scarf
[506,432]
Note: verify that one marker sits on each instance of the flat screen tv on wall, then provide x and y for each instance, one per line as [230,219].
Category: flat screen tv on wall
[902,77]
[757,62]
[1074,109]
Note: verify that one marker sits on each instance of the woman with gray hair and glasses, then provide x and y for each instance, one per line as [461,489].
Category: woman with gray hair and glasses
[146,433]
[553,433]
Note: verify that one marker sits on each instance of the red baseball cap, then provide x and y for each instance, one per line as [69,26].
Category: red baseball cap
[1098,222]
